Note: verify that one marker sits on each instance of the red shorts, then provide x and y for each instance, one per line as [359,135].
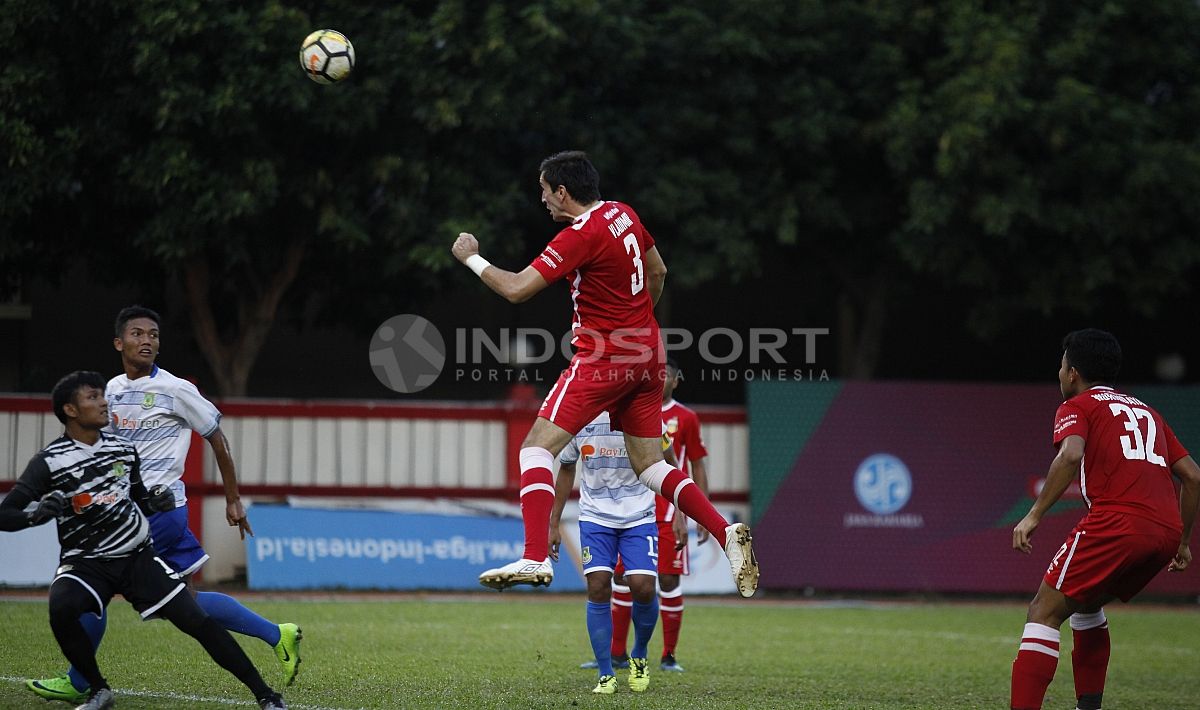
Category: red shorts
[631,392]
[670,560]
[1111,554]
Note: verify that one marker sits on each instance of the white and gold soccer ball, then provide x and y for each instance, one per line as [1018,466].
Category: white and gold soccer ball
[327,56]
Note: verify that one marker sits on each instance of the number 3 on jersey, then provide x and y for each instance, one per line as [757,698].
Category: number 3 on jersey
[636,280]
[1132,444]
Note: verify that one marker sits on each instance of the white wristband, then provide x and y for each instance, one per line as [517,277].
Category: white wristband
[477,264]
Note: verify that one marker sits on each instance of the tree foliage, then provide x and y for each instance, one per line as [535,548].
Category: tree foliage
[1032,158]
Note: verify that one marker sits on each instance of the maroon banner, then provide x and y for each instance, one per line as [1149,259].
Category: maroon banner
[914,487]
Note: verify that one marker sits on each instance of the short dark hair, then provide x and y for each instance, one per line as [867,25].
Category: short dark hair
[65,389]
[573,170]
[129,313]
[1096,354]
[672,365]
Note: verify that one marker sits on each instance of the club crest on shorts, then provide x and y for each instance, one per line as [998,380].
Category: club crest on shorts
[586,555]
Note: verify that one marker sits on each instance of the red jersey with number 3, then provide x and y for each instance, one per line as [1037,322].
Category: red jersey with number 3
[601,254]
[1128,453]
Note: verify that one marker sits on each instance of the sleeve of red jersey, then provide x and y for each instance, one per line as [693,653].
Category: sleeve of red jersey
[648,242]
[1175,450]
[1068,421]
[561,256]
[695,442]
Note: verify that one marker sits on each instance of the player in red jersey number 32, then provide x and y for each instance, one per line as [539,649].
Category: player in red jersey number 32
[1124,454]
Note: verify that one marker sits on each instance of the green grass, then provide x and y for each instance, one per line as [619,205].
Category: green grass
[522,651]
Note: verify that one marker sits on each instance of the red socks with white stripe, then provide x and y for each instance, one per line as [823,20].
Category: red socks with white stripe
[670,607]
[1034,667]
[670,483]
[1089,658]
[537,500]
[622,611]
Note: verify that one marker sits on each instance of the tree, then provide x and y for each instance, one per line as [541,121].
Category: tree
[1000,150]
[1052,157]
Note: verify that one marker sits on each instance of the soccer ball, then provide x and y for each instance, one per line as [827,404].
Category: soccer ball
[326,56]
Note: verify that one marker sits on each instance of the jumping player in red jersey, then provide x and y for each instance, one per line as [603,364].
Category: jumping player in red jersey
[1124,454]
[616,276]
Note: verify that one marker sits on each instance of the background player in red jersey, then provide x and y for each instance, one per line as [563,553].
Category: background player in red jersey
[616,276]
[1124,454]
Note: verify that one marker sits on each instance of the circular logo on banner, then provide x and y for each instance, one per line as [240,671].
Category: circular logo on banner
[407,353]
[882,484]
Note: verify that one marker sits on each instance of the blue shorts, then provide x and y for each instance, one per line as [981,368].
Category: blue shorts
[637,547]
[175,543]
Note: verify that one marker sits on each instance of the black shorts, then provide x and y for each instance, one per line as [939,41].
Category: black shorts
[142,578]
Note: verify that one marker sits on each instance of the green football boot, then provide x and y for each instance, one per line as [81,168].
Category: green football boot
[639,675]
[606,686]
[288,651]
[59,688]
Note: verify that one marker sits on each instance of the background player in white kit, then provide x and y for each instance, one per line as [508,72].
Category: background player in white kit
[158,412]
[616,518]
[683,430]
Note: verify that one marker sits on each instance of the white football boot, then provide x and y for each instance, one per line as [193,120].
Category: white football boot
[523,571]
[741,558]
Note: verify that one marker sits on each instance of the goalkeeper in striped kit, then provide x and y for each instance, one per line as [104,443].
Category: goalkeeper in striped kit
[158,412]
[90,484]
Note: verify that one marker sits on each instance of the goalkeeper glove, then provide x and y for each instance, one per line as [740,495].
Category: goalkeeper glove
[162,499]
[50,506]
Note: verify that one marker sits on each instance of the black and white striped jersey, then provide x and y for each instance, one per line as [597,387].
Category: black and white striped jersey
[102,519]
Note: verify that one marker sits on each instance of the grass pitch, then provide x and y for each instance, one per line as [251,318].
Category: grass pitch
[523,651]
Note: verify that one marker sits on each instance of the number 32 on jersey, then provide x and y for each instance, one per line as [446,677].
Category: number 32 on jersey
[1134,446]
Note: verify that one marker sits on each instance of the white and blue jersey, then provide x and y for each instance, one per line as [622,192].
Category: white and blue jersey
[158,413]
[616,510]
[610,493]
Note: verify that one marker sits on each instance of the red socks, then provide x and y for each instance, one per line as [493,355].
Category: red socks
[670,483]
[670,606]
[1089,658]
[1034,667]
[537,500]
[622,610]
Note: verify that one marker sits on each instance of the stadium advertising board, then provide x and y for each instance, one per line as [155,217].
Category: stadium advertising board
[309,548]
[915,487]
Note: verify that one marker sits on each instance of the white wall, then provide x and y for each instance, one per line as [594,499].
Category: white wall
[416,453]
[346,451]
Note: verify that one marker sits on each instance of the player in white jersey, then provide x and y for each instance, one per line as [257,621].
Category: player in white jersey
[158,412]
[616,518]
